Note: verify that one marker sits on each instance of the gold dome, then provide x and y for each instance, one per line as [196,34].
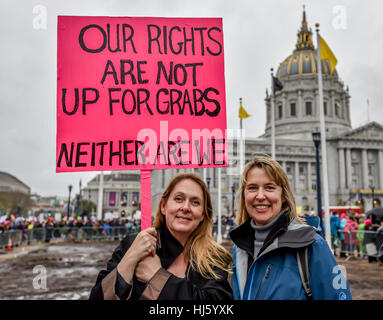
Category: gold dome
[303,61]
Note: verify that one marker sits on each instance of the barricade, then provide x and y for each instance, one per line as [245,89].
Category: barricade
[356,244]
[13,236]
[63,233]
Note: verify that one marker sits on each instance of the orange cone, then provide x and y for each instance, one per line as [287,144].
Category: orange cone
[9,247]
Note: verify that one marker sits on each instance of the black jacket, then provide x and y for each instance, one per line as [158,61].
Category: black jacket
[164,285]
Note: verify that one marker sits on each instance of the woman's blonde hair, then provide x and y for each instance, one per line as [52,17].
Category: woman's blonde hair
[201,250]
[275,172]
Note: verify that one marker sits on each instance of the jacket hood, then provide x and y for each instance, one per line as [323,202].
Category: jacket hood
[282,235]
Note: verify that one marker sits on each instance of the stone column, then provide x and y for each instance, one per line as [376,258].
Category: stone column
[348,107]
[283,165]
[380,168]
[348,168]
[342,176]
[284,105]
[364,169]
[296,176]
[268,113]
[331,104]
[344,108]
[300,111]
[309,182]
[315,105]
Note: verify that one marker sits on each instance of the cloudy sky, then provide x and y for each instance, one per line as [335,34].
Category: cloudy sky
[258,35]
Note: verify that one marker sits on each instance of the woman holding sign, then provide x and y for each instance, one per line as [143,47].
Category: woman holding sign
[177,259]
[276,256]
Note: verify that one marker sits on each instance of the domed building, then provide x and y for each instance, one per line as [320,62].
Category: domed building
[355,155]
[297,110]
[9,183]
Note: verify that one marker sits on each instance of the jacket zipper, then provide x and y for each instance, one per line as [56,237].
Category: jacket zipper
[263,281]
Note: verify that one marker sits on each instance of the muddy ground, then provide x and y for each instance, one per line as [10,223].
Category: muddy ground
[365,278]
[72,269]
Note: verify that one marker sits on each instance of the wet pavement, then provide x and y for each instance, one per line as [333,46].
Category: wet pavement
[62,271]
[72,268]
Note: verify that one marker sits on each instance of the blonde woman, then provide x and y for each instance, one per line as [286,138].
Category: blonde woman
[269,236]
[177,259]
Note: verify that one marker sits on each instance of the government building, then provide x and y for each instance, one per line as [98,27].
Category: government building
[354,155]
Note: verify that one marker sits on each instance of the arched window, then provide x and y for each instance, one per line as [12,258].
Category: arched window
[293,109]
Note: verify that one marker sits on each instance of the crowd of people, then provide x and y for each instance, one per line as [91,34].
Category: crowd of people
[72,228]
[351,235]
[354,235]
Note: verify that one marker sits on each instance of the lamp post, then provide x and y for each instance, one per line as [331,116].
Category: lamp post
[70,189]
[316,139]
[373,195]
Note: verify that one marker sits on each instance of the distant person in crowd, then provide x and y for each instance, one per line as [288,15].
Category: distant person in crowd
[88,228]
[177,259]
[360,236]
[369,241]
[379,243]
[49,229]
[343,222]
[312,219]
[335,231]
[268,237]
[107,228]
[350,235]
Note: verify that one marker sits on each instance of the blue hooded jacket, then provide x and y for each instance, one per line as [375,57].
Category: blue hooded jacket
[335,224]
[274,274]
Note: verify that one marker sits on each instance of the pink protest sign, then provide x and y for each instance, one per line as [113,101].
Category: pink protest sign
[140,93]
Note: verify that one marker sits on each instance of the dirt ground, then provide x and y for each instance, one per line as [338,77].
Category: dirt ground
[72,268]
[365,278]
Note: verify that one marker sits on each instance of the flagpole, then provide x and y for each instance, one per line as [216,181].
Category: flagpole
[241,156]
[323,145]
[272,117]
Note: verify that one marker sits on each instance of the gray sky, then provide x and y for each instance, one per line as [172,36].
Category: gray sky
[258,35]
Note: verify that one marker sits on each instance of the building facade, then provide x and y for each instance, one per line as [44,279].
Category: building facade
[121,192]
[9,183]
[355,155]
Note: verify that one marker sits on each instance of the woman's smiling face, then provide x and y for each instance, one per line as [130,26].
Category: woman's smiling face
[263,197]
[184,209]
